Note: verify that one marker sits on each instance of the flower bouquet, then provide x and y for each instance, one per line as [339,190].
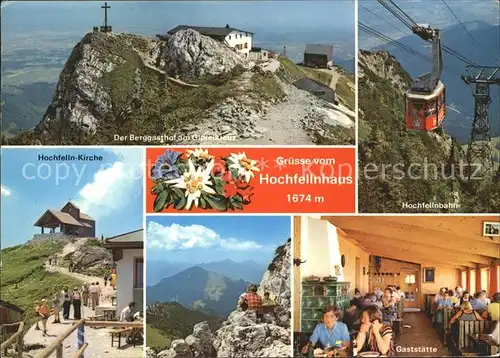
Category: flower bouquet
[210,182]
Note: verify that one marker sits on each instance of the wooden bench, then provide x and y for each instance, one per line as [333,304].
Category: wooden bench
[465,344]
[116,335]
[448,314]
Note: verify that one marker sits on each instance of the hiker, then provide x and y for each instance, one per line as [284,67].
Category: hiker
[70,267]
[77,304]
[37,314]
[56,301]
[267,301]
[50,261]
[44,313]
[113,279]
[254,301]
[85,294]
[242,302]
[94,299]
[66,296]
[99,292]
[106,280]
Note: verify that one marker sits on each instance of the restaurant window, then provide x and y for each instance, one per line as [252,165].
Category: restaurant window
[138,273]
[472,287]
[464,280]
[485,278]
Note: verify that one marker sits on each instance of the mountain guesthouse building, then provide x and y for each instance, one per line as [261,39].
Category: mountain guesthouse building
[239,40]
[128,254]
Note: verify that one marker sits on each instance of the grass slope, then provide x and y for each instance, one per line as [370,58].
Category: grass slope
[169,321]
[25,280]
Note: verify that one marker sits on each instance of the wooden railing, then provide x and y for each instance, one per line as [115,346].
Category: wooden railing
[17,338]
[57,345]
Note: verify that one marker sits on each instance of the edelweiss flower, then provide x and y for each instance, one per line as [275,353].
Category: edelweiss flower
[199,154]
[246,167]
[194,181]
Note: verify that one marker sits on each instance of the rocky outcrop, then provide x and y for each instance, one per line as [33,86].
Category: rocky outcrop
[84,93]
[383,65]
[197,345]
[89,257]
[191,55]
[244,336]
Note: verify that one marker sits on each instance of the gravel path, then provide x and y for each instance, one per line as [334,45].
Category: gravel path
[99,339]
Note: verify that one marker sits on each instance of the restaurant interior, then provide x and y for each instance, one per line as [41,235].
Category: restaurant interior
[416,256]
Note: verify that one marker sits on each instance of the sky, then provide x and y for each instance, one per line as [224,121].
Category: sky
[145,16]
[199,239]
[109,191]
[432,12]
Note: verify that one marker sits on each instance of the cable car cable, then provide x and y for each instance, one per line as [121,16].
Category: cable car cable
[405,18]
[381,18]
[461,23]
[385,38]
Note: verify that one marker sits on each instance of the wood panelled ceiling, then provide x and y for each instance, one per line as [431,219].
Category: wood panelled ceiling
[455,241]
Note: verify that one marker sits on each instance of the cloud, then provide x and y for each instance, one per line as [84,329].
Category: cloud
[178,237]
[114,185]
[6,191]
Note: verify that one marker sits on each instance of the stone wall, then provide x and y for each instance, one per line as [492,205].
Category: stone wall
[37,238]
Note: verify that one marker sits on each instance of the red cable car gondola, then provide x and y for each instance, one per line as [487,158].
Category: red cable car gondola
[425,101]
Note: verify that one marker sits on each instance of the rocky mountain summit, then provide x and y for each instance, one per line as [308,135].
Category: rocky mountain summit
[129,89]
[242,334]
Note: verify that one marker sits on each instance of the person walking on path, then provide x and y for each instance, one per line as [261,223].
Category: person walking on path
[113,280]
[93,295]
[37,313]
[99,293]
[56,301]
[85,294]
[105,280]
[50,261]
[66,302]
[44,313]
[77,304]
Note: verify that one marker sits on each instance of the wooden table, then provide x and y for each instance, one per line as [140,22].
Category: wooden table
[484,346]
[109,314]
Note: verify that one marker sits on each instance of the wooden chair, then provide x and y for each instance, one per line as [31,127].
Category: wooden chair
[465,344]
[447,316]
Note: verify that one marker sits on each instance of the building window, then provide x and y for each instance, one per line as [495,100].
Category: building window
[246,45]
[138,273]
[229,37]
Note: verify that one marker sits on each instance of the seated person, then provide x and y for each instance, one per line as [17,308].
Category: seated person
[242,302]
[267,301]
[373,335]
[357,293]
[493,311]
[479,302]
[126,315]
[389,307]
[329,333]
[352,316]
[466,313]
[443,303]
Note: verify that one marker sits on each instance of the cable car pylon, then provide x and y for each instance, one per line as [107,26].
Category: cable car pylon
[479,147]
